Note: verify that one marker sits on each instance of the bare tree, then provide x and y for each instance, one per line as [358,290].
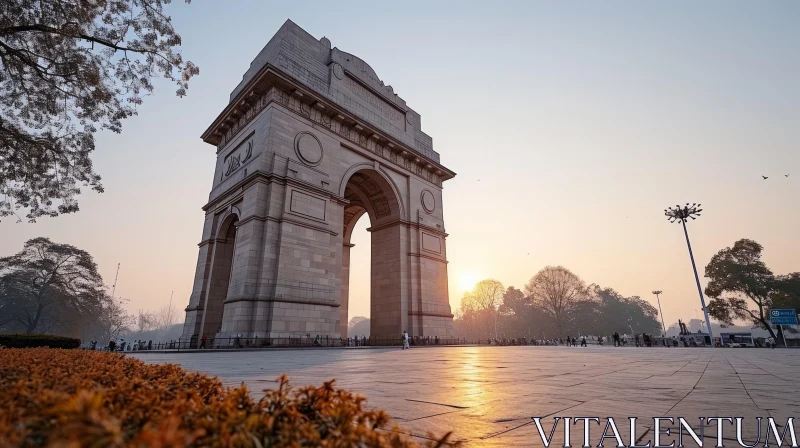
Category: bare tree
[113,321]
[487,294]
[145,321]
[164,318]
[556,291]
[480,306]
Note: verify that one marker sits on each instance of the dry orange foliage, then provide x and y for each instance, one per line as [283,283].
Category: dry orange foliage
[76,398]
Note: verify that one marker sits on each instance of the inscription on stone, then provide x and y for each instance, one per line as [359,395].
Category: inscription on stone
[238,156]
[375,102]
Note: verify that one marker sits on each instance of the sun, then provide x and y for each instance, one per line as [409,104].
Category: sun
[468,281]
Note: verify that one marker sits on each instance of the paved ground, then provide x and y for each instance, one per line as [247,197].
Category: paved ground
[487,395]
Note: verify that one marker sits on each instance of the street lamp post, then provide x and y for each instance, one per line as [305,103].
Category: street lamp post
[663,327]
[682,214]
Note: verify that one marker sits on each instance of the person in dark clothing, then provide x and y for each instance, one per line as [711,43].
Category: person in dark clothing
[111,345]
[203,342]
[616,339]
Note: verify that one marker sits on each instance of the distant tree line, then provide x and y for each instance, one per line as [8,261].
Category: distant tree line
[554,304]
[358,326]
[56,288]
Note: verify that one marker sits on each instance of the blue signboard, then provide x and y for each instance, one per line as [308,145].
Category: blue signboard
[783,317]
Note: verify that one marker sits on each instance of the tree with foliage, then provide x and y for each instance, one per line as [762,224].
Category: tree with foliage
[617,313]
[787,291]
[556,291]
[50,286]
[514,301]
[518,316]
[741,285]
[68,69]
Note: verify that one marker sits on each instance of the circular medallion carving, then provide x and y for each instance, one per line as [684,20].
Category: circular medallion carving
[428,201]
[338,71]
[308,148]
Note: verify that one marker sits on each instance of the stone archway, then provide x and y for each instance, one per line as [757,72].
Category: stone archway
[311,140]
[216,291]
[370,193]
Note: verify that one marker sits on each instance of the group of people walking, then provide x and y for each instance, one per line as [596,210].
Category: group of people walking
[123,346]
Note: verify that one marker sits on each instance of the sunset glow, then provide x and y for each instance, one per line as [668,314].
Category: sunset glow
[468,280]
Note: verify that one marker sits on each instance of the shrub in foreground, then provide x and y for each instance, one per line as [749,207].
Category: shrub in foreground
[61,398]
[38,340]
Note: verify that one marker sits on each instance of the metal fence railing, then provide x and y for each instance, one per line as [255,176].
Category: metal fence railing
[287,342]
[324,341]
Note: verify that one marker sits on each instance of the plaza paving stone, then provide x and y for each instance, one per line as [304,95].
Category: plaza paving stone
[487,395]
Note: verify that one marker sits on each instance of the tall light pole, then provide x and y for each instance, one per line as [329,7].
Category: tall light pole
[116,276]
[664,327]
[682,214]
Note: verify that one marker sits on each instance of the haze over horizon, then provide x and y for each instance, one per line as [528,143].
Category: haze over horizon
[570,130]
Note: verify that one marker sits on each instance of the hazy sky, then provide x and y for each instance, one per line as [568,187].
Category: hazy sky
[571,127]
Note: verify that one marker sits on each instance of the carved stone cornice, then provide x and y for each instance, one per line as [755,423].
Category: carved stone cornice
[240,113]
[409,224]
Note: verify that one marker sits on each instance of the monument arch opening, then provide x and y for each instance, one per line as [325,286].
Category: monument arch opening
[369,193]
[310,141]
[214,287]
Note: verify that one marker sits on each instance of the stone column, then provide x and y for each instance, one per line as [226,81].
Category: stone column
[389,290]
[196,308]
[217,287]
[344,317]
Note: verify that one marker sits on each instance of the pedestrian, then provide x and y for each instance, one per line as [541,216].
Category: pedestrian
[150,344]
[405,340]
[203,342]
[616,339]
[583,342]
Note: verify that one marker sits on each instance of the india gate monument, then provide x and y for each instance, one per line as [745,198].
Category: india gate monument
[311,140]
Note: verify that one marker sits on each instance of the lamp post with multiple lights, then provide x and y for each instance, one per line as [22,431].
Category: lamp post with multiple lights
[682,214]
[664,327]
